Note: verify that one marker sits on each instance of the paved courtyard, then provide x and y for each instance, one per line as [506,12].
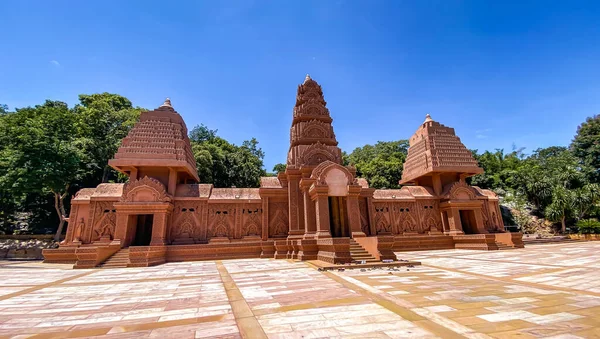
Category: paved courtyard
[542,291]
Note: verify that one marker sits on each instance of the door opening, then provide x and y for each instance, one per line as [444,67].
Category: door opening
[143,230]
[338,224]
[468,221]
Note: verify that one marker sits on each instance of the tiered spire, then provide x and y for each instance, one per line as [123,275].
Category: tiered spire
[435,148]
[158,140]
[312,139]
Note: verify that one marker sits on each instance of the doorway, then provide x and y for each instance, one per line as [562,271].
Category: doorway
[143,230]
[338,224]
[468,221]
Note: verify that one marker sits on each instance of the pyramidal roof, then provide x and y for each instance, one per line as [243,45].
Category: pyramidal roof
[435,148]
[159,139]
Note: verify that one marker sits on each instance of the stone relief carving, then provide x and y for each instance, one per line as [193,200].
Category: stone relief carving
[145,190]
[406,217]
[221,219]
[382,218]
[252,224]
[185,222]
[105,217]
[430,216]
[364,216]
[278,220]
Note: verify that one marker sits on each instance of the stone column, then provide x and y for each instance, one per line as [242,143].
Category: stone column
[353,212]
[172,182]
[159,229]
[454,222]
[294,204]
[479,221]
[121,228]
[320,197]
[310,226]
[265,218]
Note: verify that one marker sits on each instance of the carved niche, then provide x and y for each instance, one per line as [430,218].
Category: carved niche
[317,153]
[252,220]
[490,219]
[145,190]
[430,216]
[278,220]
[221,220]
[406,217]
[315,129]
[185,221]
[104,221]
[460,190]
[382,218]
[364,216]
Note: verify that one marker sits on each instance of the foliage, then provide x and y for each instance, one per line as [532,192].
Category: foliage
[224,164]
[41,153]
[588,226]
[279,168]
[104,119]
[381,164]
[586,146]
[499,169]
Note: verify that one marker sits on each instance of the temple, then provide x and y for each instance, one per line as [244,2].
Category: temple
[316,210]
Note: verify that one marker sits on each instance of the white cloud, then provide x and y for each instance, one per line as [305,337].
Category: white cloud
[481,136]
[55,63]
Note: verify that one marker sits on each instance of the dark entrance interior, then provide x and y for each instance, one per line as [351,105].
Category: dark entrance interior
[337,217]
[143,230]
[467,219]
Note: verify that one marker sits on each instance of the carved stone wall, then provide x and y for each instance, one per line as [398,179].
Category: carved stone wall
[185,221]
[278,220]
[364,216]
[251,220]
[383,218]
[221,220]
[406,217]
[103,219]
[430,218]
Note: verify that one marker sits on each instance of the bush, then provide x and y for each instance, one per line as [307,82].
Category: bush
[588,226]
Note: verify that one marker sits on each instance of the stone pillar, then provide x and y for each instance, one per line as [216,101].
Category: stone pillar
[159,229]
[172,182]
[293,193]
[320,197]
[133,174]
[454,222]
[310,222]
[479,221]
[122,228]
[353,212]
[437,184]
[265,218]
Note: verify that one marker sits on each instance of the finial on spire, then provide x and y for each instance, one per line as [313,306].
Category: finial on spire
[307,78]
[167,103]
[428,118]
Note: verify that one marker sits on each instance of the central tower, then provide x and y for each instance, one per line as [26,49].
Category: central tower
[312,140]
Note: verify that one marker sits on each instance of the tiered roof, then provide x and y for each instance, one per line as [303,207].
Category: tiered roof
[159,139]
[435,148]
[312,139]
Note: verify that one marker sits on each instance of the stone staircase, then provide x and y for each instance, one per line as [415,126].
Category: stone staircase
[117,260]
[358,253]
[503,246]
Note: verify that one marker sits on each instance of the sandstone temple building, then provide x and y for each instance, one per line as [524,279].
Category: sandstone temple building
[316,210]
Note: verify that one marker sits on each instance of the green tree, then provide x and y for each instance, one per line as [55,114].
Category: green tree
[279,168]
[381,164]
[224,164]
[586,146]
[104,119]
[41,154]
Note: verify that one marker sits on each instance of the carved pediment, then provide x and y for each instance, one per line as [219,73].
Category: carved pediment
[460,190]
[145,190]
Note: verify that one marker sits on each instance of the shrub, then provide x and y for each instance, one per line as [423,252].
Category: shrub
[588,226]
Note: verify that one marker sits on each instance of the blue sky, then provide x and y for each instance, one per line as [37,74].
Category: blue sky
[499,72]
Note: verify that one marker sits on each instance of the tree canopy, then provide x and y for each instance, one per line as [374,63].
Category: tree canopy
[381,164]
